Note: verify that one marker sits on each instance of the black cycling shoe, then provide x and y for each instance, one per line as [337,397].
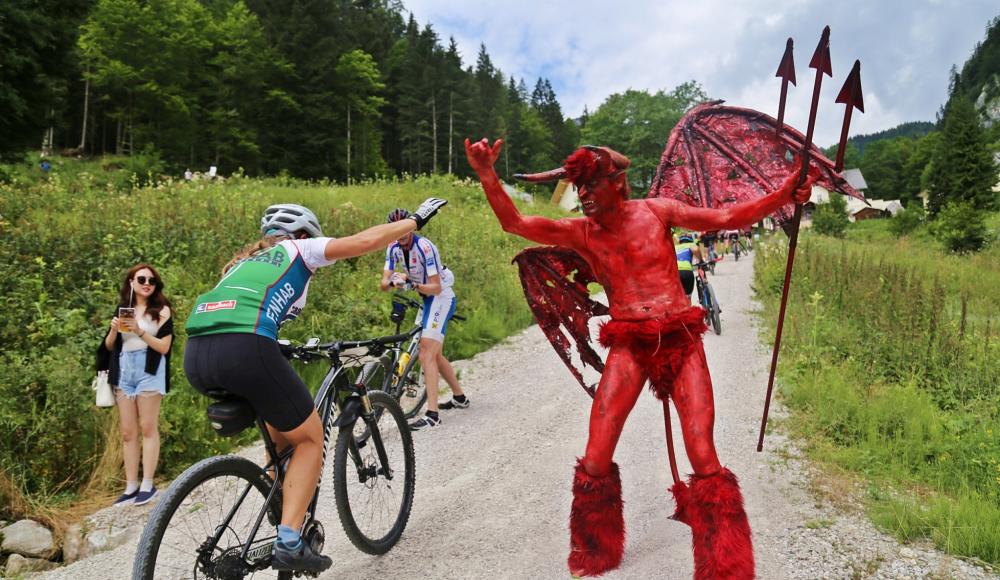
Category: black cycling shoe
[298,559]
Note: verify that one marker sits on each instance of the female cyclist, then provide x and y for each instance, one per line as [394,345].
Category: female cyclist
[233,345]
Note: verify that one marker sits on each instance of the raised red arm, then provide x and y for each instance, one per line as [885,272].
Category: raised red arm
[564,232]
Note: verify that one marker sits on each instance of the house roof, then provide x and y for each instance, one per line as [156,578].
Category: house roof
[855,179]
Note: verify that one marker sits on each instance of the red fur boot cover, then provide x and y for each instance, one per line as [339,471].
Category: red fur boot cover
[596,524]
[720,534]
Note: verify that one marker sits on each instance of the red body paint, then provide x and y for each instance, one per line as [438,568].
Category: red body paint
[628,247]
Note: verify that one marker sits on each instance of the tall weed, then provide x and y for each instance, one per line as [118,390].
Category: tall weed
[891,366]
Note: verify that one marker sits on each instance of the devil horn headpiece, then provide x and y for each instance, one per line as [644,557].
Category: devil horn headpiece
[585,164]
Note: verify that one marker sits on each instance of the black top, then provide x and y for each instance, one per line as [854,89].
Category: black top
[107,362]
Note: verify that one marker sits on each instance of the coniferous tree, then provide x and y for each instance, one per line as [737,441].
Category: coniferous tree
[36,46]
[543,100]
[963,169]
[360,84]
[273,86]
[486,112]
[455,92]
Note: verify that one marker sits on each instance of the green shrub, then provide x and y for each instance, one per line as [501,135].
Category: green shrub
[907,220]
[961,228]
[830,219]
[141,169]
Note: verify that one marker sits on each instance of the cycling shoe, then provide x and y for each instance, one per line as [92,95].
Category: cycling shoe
[300,558]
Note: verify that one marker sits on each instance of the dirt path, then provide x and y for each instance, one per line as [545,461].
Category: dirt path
[493,483]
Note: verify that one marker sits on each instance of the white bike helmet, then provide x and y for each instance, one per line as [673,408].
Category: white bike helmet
[289,218]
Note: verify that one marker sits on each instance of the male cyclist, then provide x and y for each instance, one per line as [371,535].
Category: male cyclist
[708,239]
[687,249]
[420,262]
[732,238]
[233,333]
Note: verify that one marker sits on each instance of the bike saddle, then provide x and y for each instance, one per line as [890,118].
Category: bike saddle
[231,415]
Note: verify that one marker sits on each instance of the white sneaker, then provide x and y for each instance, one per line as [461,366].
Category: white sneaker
[455,404]
[426,422]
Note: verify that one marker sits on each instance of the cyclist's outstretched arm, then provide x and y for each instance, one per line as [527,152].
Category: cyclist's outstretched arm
[378,237]
[367,241]
[481,157]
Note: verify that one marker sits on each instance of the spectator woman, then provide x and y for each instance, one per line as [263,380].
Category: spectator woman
[136,354]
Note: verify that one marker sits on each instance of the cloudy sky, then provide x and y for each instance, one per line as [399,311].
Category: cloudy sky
[589,49]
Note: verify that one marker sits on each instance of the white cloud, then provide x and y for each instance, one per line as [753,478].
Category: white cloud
[589,50]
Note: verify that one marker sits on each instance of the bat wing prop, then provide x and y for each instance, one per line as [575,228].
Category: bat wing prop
[717,156]
[555,283]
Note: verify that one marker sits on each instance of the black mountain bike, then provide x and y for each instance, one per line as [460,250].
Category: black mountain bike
[398,373]
[210,522]
[707,299]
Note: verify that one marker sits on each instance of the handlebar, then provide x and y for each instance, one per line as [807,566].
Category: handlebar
[313,349]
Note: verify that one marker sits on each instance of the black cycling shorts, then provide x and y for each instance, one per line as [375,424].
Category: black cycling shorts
[252,367]
[687,281]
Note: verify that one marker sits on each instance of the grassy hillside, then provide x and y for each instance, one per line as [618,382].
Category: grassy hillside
[891,367]
[70,235]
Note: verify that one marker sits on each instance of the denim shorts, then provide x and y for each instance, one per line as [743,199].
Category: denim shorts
[134,379]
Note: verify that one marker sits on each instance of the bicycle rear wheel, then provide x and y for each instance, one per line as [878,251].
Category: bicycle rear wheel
[373,507]
[411,389]
[220,495]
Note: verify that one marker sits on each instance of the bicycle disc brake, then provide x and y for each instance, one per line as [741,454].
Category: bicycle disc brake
[226,566]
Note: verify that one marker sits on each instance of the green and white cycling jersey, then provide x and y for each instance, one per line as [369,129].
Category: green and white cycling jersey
[262,292]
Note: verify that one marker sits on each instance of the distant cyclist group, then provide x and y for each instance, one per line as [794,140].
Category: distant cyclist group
[697,255]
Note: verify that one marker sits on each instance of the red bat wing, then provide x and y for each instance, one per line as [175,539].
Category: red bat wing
[718,155]
[555,284]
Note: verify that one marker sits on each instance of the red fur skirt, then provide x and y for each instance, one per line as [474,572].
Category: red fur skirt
[661,345]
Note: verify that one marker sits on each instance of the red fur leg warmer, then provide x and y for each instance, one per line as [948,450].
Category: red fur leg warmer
[596,524]
[720,534]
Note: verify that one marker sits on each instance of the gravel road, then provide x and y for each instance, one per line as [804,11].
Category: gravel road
[493,482]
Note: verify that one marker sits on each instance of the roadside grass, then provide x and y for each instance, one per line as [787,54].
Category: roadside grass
[70,235]
[890,367]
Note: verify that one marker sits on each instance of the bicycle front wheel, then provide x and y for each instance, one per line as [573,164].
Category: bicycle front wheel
[374,496]
[411,389]
[204,521]
[714,310]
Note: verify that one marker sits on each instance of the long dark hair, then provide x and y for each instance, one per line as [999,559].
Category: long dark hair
[156,300]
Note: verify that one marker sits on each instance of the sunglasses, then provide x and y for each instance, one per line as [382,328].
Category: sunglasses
[144,280]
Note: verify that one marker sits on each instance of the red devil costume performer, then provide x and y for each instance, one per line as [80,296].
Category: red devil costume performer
[654,333]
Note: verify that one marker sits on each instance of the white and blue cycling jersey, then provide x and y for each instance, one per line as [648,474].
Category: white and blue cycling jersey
[421,261]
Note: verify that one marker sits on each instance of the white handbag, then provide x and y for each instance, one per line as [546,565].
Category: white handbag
[105,398]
